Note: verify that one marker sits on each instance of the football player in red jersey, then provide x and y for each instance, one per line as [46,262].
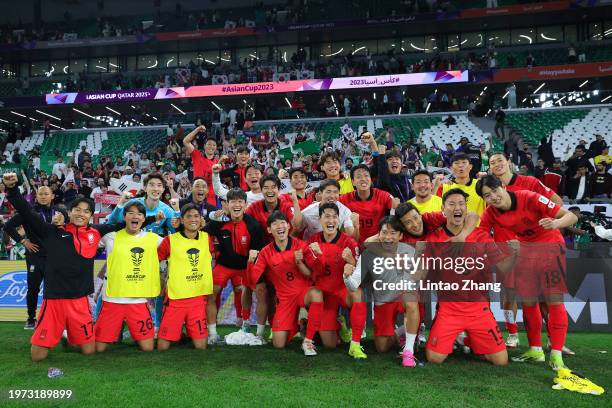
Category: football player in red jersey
[286,264]
[236,238]
[202,163]
[540,270]
[465,310]
[334,249]
[370,203]
[261,210]
[500,167]
[299,181]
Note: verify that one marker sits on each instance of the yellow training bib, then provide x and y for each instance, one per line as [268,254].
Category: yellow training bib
[189,267]
[133,266]
[475,203]
[432,205]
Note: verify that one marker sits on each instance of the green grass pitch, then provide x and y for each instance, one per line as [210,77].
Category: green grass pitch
[231,376]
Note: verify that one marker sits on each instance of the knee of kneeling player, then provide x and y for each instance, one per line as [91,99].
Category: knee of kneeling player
[435,357]
[147,346]
[499,359]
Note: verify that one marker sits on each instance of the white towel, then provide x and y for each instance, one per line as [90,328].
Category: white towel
[241,338]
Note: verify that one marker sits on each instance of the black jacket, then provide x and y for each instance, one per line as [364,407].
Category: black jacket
[70,251]
[227,234]
[45,213]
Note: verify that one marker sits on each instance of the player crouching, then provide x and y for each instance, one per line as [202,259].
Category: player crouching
[392,295]
[284,263]
[333,250]
[189,281]
[461,310]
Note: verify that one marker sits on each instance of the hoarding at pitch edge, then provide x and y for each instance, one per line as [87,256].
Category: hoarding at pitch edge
[377,81]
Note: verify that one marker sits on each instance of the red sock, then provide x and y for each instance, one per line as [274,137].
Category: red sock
[533,324]
[315,310]
[557,326]
[467,342]
[238,303]
[512,328]
[358,319]
[218,301]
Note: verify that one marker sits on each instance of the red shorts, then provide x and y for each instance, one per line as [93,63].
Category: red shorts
[331,302]
[112,315]
[56,315]
[221,274]
[540,270]
[191,312]
[483,331]
[385,316]
[287,310]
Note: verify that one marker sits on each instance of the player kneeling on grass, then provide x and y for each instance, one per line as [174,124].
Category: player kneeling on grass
[391,296]
[68,272]
[132,276]
[285,264]
[540,269]
[466,308]
[333,250]
[189,281]
[236,238]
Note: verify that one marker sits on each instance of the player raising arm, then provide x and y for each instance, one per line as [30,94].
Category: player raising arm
[334,249]
[68,272]
[540,270]
[285,264]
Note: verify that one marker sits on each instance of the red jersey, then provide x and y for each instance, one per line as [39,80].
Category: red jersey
[552,180]
[519,183]
[370,210]
[202,167]
[329,274]
[431,222]
[484,253]
[259,211]
[279,268]
[303,202]
[526,210]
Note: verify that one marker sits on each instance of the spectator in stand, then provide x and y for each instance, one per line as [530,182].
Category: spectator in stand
[601,182]
[448,154]
[388,171]
[539,170]
[83,156]
[59,168]
[578,186]
[500,122]
[578,159]
[545,151]
[84,188]
[597,146]
[603,157]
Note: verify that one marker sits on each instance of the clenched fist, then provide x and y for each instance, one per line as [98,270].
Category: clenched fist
[315,248]
[253,255]
[348,270]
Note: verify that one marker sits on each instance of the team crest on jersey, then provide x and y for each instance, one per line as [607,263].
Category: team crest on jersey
[193,254]
[137,254]
[90,238]
[243,240]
